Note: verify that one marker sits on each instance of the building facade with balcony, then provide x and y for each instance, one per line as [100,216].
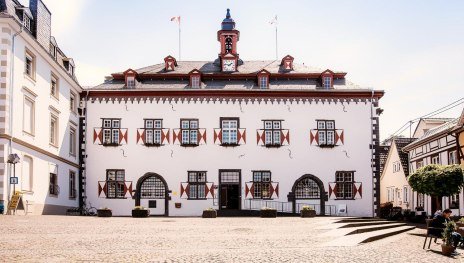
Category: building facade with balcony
[182,136]
[39,118]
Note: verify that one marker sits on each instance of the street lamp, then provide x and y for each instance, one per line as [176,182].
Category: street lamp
[13,159]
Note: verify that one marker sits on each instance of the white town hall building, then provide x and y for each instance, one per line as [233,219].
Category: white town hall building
[182,136]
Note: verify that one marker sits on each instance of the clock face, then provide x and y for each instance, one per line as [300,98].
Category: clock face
[228,65]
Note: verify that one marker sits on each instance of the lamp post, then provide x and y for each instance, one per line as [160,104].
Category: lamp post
[13,159]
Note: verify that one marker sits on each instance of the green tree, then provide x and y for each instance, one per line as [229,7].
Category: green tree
[437,180]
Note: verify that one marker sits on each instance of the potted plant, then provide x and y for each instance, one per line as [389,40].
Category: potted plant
[140,211]
[307,211]
[267,212]
[460,222]
[104,212]
[209,213]
[447,247]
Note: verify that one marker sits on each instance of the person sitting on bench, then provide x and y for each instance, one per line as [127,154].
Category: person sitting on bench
[438,224]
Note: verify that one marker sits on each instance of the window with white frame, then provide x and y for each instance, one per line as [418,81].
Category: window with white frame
[272,132]
[28,115]
[54,189]
[435,159]
[452,157]
[405,194]
[327,82]
[72,141]
[29,65]
[345,184]
[195,81]
[263,82]
[54,86]
[153,130]
[454,201]
[27,173]
[189,130]
[420,200]
[396,167]
[53,129]
[110,129]
[26,22]
[115,183]
[389,195]
[72,185]
[197,184]
[261,184]
[326,132]
[229,131]
[419,164]
[72,102]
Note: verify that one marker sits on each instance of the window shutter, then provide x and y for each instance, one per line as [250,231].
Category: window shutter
[209,190]
[241,136]
[164,136]
[314,138]
[128,189]
[102,189]
[274,190]
[357,191]
[332,190]
[201,136]
[122,136]
[140,136]
[285,137]
[217,136]
[184,190]
[339,137]
[97,136]
[176,136]
[249,190]
[260,137]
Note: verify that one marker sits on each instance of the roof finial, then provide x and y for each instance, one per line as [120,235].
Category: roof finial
[228,13]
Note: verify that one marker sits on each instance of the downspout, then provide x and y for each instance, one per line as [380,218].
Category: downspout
[372,152]
[10,108]
[85,144]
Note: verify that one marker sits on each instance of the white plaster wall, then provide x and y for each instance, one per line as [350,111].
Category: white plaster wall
[298,118]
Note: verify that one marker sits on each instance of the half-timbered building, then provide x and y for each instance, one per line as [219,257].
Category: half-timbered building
[181,136]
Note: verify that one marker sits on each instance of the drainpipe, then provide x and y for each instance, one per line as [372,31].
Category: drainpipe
[85,144]
[10,108]
[372,151]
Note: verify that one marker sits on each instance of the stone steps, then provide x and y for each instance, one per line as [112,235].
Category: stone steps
[370,223]
[359,220]
[355,239]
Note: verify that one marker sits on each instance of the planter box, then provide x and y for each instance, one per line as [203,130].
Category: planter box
[104,213]
[209,214]
[269,213]
[447,250]
[140,212]
[308,213]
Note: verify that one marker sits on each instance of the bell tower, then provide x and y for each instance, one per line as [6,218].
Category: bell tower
[228,37]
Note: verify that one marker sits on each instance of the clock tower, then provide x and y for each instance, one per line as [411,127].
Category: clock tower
[228,36]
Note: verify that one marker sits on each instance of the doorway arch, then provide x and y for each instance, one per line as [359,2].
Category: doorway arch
[152,186]
[308,187]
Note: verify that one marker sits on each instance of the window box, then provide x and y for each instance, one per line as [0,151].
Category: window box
[209,213]
[104,212]
[268,212]
[153,144]
[230,144]
[189,144]
[140,212]
[327,145]
[111,144]
[273,145]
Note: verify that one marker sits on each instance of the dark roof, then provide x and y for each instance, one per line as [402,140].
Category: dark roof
[404,158]
[383,153]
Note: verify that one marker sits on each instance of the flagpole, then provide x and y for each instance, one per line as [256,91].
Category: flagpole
[179,43]
[277,56]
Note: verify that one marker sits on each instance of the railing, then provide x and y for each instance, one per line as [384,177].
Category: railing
[287,207]
[257,204]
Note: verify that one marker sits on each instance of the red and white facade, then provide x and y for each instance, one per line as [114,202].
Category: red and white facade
[179,137]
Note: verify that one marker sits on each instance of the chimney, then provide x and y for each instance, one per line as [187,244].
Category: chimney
[42,22]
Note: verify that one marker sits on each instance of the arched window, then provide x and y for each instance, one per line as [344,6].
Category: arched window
[228,45]
[27,173]
[152,188]
[307,188]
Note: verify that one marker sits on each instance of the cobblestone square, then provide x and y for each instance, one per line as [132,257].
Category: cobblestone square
[160,239]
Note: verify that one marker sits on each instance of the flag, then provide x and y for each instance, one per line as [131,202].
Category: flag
[176,19]
[273,21]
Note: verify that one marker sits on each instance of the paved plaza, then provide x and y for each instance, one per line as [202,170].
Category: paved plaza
[124,239]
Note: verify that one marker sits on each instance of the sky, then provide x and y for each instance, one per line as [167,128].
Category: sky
[413,50]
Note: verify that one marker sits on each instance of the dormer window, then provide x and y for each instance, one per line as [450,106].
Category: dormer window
[195,78]
[327,83]
[130,82]
[27,22]
[263,82]
[287,63]
[71,70]
[195,81]
[170,63]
